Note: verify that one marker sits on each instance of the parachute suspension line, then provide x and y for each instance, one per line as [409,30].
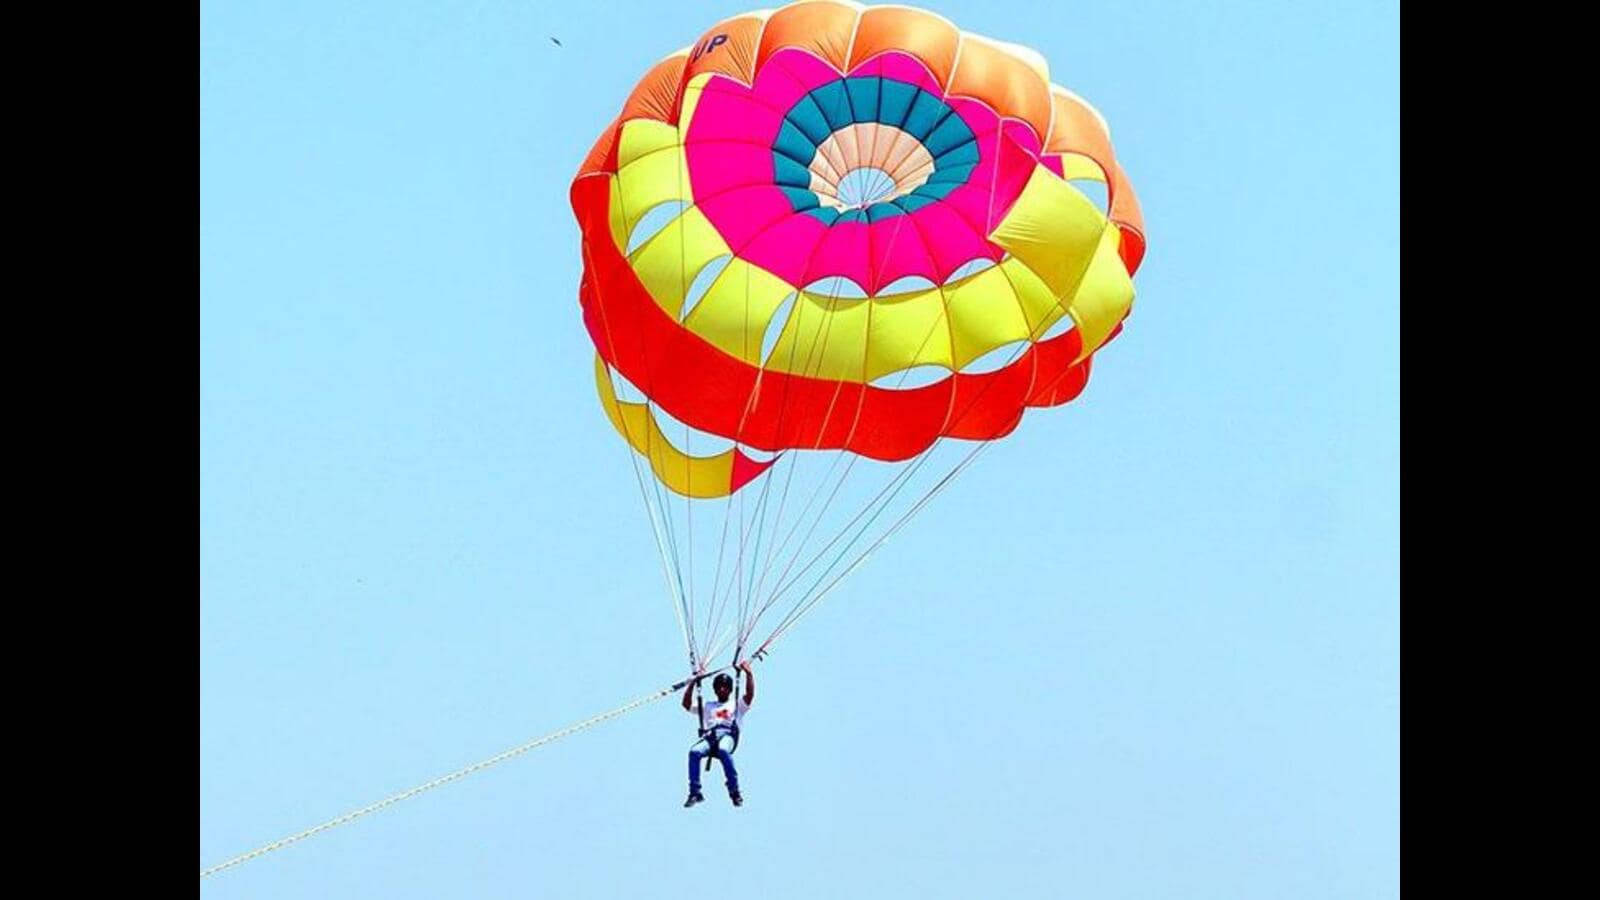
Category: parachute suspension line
[821,514]
[886,495]
[822,511]
[675,577]
[806,605]
[738,593]
[762,505]
[783,500]
[811,594]
[744,604]
[800,611]
[801,518]
[721,643]
[758,574]
[664,508]
[728,503]
[748,622]
[722,547]
[679,607]
[685,622]
[669,554]
[737,584]
[731,596]
[733,599]
[739,581]
[446,779]
[661,551]
[799,521]
[664,504]
[688,513]
[881,501]
[809,599]
[718,604]
[890,488]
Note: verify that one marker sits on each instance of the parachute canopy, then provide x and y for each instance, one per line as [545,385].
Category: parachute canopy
[841,230]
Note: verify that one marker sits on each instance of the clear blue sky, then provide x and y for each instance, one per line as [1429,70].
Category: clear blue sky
[1170,675]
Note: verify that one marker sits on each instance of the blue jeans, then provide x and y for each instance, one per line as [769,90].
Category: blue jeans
[698,754]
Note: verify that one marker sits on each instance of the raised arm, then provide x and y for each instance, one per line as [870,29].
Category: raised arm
[688,695]
[749,683]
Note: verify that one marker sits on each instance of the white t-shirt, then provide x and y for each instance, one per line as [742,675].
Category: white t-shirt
[719,713]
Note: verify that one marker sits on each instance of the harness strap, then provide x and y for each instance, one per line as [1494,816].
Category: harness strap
[713,733]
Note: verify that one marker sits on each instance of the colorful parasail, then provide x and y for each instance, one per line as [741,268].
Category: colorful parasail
[839,231]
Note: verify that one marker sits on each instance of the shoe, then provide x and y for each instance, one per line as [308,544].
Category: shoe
[695,797]
[736,797]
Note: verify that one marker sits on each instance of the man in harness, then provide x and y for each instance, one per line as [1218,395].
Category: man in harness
[719,730]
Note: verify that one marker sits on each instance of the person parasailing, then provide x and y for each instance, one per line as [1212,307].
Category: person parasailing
[719,729]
